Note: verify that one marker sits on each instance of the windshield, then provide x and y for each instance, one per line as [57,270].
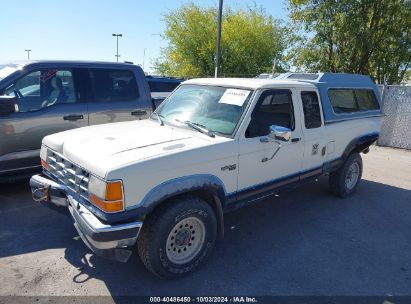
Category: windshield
[217,109]
[6,70]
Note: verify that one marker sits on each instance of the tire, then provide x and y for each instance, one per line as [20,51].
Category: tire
[345,180]
[177,237]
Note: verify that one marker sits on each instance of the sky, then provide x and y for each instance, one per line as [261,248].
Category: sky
[82,29]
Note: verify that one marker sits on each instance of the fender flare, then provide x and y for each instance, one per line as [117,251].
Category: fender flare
[208,183]
[360,144]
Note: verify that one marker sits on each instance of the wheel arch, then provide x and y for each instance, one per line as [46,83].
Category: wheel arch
[206,186]
[360,144]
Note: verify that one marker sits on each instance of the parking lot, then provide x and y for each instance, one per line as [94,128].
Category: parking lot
[304,242]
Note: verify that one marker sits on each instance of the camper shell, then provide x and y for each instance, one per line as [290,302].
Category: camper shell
[329,81]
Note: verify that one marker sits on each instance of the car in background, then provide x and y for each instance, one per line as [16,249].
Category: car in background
[162,86]
[39,98]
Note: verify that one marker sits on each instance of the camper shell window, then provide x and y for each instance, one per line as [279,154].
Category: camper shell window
[345,100]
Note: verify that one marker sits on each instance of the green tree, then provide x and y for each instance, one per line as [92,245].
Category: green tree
[355,36]
[250,41]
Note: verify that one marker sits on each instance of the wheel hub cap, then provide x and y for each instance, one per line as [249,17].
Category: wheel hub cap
[183,237]
[352,176]
[185,240]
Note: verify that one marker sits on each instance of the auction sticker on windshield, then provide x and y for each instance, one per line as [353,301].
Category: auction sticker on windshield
[234,97]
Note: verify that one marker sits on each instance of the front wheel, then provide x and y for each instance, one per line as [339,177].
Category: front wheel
[345,180]
[177,237]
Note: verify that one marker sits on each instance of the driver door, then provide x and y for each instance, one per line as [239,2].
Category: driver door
[258,177]
[47,103]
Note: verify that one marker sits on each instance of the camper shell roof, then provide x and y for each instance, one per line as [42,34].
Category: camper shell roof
[326,81]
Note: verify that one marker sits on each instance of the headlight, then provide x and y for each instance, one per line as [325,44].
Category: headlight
[43,157]
[108,196]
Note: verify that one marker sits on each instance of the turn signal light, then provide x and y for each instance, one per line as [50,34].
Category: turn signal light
[114,191]
[107,206]
[108,196]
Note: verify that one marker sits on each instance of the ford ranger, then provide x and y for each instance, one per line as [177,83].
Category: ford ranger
[215,145]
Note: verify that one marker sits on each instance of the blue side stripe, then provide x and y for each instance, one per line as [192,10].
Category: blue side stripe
[273,181]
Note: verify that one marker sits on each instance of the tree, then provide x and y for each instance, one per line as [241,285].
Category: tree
[355,36]
[250,41]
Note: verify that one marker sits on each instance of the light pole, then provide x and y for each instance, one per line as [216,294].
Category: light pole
[144,57]
[217,51]
[28,54]
[117,35]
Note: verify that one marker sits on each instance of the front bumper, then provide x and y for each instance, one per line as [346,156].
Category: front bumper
[109,241]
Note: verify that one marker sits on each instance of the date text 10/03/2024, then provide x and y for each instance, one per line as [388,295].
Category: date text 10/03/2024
[203,300]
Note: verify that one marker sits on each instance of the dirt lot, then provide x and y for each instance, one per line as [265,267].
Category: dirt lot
[305,242]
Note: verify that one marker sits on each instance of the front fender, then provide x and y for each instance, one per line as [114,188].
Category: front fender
[181,185]
[205,182]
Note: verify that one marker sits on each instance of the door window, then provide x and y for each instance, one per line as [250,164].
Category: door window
[113,85]
[42,89]
[311,107]
[274,107]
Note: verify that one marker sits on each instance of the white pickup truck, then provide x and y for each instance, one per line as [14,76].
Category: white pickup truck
[213,146]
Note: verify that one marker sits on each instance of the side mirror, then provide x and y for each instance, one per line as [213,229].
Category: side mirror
[280,133]
[7,104]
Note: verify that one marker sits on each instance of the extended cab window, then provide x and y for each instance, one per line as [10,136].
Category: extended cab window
[113,85]
[274,107]
[352,100]
[311,106]
[42,89]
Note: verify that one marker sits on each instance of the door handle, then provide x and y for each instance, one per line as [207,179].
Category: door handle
[73,117]
[296,139]
[139,113]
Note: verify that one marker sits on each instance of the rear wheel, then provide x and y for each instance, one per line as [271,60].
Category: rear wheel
[345,180]
[177,237]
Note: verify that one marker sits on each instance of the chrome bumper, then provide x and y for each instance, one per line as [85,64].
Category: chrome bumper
[109,241]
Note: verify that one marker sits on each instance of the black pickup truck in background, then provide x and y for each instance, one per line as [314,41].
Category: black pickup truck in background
[38,98]
[161,87]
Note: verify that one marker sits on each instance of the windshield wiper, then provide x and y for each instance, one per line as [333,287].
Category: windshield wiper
[160,118]
[197,127]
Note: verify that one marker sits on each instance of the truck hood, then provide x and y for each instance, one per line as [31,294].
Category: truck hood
[101,148]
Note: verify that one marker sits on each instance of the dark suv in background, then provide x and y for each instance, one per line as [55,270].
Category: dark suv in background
[44,97]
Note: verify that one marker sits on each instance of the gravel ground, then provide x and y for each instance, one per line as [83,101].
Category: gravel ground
[305,242]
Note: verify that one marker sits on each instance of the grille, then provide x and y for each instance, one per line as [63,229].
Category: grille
[72,176]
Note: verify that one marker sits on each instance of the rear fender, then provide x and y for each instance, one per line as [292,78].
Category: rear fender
[360,144]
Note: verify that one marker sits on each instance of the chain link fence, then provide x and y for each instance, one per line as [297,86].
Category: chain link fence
[396,125]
